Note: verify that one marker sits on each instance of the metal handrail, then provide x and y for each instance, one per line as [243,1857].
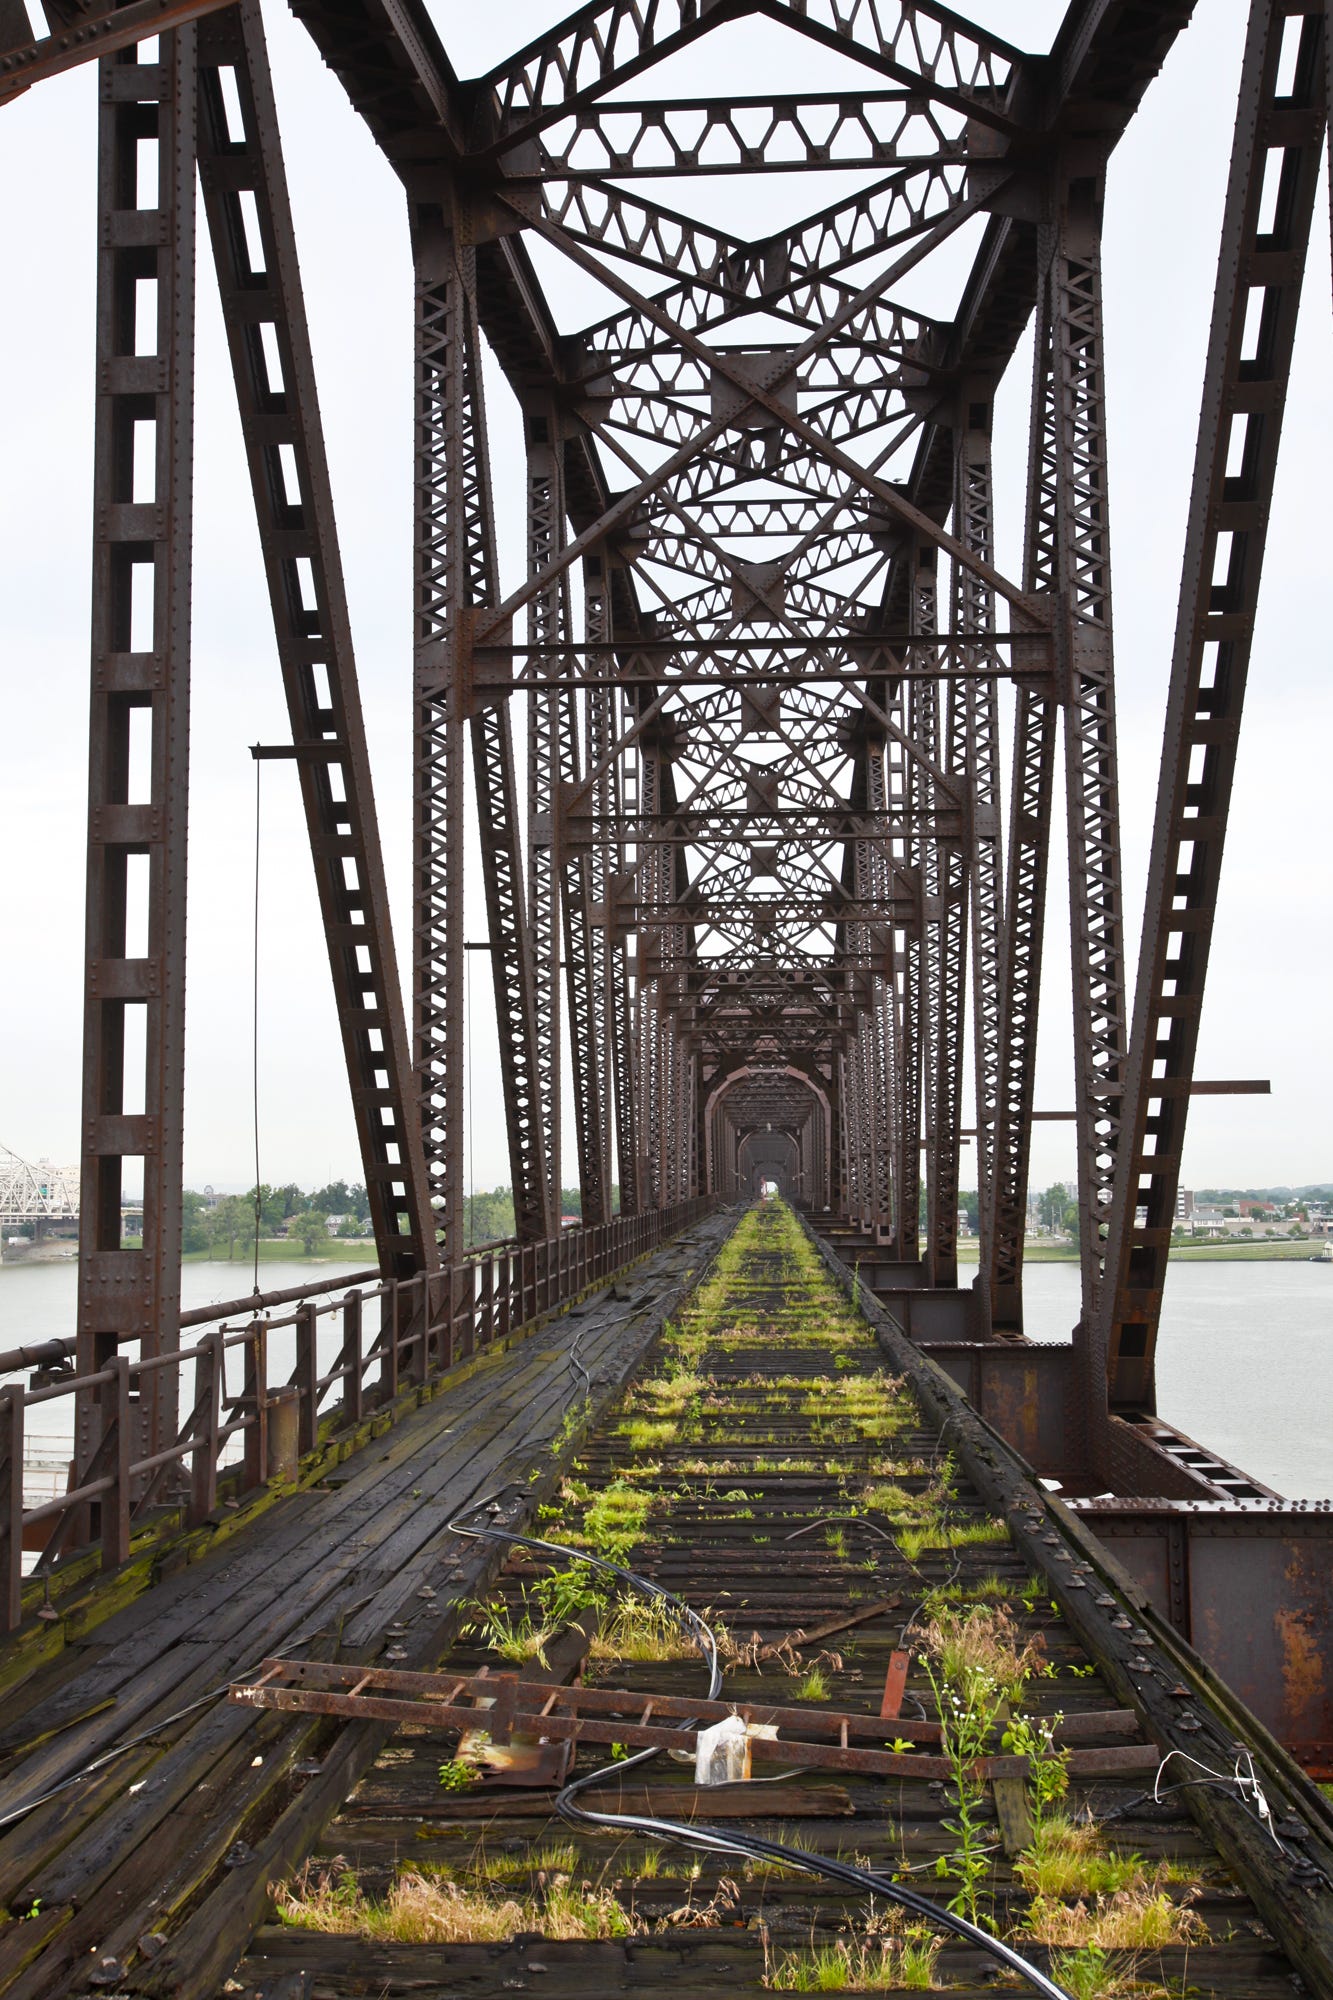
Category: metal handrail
[425,1324]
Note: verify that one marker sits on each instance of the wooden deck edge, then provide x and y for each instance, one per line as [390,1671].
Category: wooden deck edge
[83,1596]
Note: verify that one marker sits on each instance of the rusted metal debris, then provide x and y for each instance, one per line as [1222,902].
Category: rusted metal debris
[505,1705]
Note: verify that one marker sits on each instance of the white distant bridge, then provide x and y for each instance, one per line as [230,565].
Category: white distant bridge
[36,1193]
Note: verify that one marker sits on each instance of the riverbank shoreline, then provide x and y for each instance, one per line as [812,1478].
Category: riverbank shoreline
[1304,1252]
[283,1250]
[360,1250]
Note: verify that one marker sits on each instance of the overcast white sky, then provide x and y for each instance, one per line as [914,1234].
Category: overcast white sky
[1274,950]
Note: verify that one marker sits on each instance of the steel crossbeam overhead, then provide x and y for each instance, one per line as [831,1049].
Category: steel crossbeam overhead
[761,737]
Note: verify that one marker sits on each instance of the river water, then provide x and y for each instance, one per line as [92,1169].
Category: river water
[1245,1362]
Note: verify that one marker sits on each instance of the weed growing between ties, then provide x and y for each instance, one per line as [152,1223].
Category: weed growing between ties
[906,1966]
[1083,1897]
[768,1417]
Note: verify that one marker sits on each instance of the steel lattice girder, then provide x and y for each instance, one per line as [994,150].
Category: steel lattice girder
[651,376]
[763,785]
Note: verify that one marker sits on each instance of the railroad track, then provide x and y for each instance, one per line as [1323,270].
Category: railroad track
[770,1469]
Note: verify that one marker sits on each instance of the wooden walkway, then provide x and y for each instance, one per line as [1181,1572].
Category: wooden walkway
[148,1872]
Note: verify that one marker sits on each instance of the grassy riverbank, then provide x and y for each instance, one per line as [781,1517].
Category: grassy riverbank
[285,1250]
[1275,1251]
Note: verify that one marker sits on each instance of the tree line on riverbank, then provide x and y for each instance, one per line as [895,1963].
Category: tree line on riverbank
[223,1226]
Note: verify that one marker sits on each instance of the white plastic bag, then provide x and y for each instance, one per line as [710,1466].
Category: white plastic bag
[722,1753]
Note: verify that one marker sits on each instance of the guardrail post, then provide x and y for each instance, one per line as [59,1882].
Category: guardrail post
[115,1506]
[256,1396]
[307,1377]
[353,1392]
[207,1418]
[390,1364]
[502,1318]
[467,1307]
[11,1507]
[439,1341]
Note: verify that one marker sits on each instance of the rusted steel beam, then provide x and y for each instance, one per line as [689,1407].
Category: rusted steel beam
[507,1705]
[138,748]
[94,36]
[240,160]
[1279,136]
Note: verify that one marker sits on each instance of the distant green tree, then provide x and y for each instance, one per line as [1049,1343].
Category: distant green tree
[311,1229]
[229,1225]
[969,1203]
[341,1198]
[488,1218]
[194,1221]
[333,1199]
[1051,1206]
[273,1212]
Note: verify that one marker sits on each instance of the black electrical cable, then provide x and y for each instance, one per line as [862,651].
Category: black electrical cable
[26,1806]
[715,1839]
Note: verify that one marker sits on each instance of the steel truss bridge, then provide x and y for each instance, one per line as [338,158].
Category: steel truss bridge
[771,871]
[36,1192]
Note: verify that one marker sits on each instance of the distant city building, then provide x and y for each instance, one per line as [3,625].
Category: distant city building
[1184,1204]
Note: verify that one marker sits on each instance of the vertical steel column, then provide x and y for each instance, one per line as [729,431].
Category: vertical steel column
[840,1197]
[878,1042]
[945,1080]
[652,891]
[927,866]
[536,1210]
[895,1017]
[860,943]
[548,628]
[946,878]
[553,774]
[856,1138]
[456,575]
[973,619]
[919,1001]
[535,1216]
[1029,852]
[1255,304]
[134,944]
[619,1067]
[591,1015]
[241,168]
[440,625]
[1091,784]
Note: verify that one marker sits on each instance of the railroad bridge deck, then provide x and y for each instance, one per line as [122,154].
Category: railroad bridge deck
[760,1410]
[327,1569]
[757,896]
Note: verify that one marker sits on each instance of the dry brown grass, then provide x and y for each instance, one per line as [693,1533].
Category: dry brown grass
[418,1910]
[982,1642]
[1141,1919]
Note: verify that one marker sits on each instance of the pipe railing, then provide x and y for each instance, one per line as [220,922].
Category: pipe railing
[390,1335]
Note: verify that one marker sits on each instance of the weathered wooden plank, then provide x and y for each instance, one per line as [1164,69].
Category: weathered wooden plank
[385,1528]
